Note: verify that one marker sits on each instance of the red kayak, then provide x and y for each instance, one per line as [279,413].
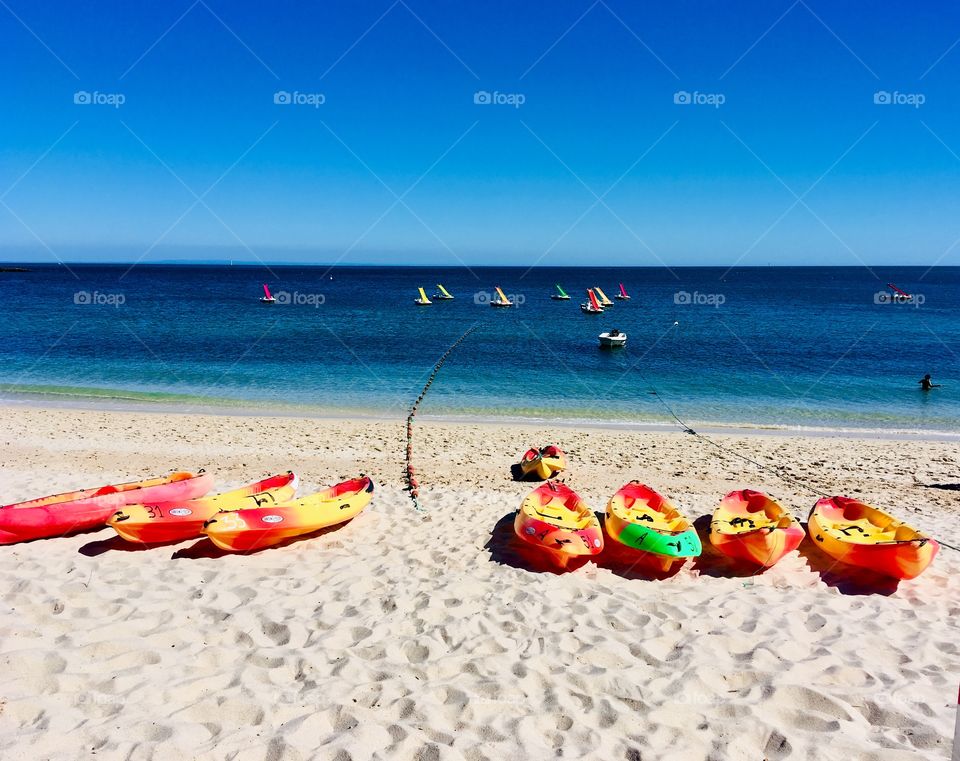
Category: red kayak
[63,514]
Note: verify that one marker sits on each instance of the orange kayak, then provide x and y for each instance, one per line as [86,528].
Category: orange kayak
[748,525]
[63,514]
[175,521]
[856,533]
[256,528]
[555,518]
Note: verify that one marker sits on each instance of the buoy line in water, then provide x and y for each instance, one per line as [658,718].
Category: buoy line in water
[413,486]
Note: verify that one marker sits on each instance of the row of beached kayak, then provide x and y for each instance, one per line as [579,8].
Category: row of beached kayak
[747,526]
[176,507]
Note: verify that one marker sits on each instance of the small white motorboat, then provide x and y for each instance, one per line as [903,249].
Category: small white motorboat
[613,338]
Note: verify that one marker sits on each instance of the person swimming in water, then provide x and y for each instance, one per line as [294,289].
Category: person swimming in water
[926,384]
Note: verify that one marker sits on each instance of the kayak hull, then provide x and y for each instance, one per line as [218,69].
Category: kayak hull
[175,521]
[63,514]
[255,528]
[859,534]
[749,526]
[555,519]
[640,518]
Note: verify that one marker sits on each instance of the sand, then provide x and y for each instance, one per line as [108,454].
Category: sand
[432,635]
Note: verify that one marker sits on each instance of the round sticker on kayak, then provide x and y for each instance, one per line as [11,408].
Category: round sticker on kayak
[596,542]
[272,518]
[530,530]
[181,511]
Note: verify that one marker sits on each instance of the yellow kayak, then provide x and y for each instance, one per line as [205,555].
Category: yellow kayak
[255,528]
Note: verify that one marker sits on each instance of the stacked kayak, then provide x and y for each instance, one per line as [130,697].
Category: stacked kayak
[257,527]
[639,517]
[66,513]
[858,534]
[175,521]
[554,518]
[543,462]
[748,525]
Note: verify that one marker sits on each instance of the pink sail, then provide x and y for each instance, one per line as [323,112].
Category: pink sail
[623,291]
[266,291]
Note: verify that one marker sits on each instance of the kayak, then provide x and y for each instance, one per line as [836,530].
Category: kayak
[856,533]
[555,518]
[175,521]
[748,525]
[544,462]
[255,528]
[640,518]
[62,514]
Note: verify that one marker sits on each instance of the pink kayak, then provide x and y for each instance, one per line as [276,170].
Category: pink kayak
[66,513]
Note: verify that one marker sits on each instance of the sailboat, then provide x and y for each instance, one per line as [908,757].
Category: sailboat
[562,296]
[267,298]
[604,301]
[623,295]
[444,294]
[501,300]
[423,300]
[899,294]
[593,307]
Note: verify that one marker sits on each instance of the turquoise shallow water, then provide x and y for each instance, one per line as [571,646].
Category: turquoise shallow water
[796,347]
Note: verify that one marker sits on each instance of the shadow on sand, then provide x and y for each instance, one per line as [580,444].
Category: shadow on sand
[946,487]
[846,579]
[113,544]
[204,548]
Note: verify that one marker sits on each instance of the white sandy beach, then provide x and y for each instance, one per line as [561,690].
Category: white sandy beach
[431,635]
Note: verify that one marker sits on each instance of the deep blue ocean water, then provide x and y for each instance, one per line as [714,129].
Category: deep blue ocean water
[755,346]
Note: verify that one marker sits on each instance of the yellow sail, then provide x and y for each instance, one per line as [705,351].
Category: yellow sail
[423,297]
[503,298]
[603,297]
[444,291]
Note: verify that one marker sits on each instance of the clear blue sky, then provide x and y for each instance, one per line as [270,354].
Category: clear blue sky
[488,183]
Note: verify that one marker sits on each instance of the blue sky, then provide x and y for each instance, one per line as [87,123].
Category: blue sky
[786,159]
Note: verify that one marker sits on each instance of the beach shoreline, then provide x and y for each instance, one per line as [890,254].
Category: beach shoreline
[430,633]
[247,408]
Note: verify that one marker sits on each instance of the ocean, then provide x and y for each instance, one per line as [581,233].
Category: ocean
[789,347]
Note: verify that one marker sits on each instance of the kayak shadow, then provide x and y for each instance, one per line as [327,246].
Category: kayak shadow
[712,562]
[118,544]
[846,579]
[507,549]
[204,549]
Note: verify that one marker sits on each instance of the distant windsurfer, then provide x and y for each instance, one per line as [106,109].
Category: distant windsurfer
[926,384]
